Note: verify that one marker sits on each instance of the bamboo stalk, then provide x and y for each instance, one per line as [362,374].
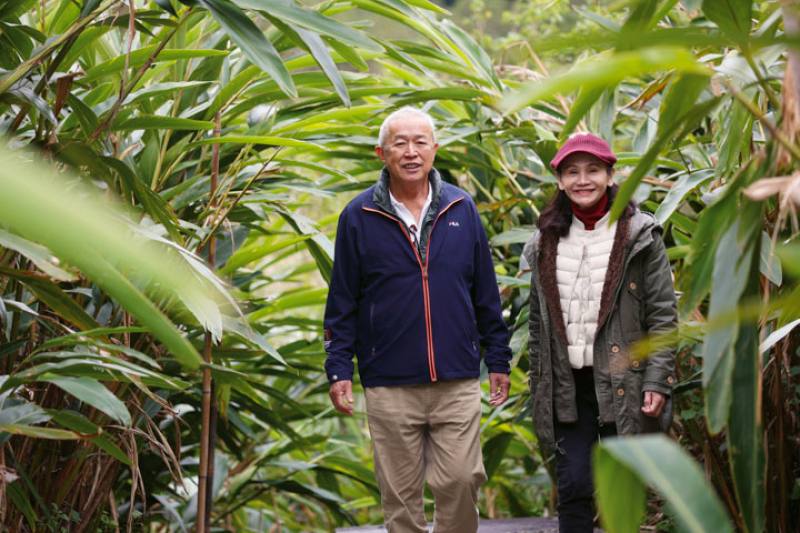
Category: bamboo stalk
[204,502]
[212,445]
[2,484]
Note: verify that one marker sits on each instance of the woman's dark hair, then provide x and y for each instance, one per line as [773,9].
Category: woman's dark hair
[556,218]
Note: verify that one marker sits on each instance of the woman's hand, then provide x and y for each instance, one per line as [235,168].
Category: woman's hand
[653,403]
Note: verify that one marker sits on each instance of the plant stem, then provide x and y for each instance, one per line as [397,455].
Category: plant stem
[206,438]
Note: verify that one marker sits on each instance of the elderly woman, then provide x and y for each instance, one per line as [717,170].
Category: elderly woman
[596,288]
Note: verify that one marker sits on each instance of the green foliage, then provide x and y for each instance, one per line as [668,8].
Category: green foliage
[625,465]
[277,103]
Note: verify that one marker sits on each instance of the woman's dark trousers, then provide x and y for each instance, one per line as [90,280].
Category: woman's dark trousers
[574,452]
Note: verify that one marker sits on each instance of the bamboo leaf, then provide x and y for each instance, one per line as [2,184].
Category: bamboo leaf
[731,272]
[604,71]
[83,114]
[257,48]
[640,17]
[144,310]
[320,247]
[156,122]
[512,236]
[89,6]
[26,96]
[663,466]
[621,495]
[153,204]
[291,13]
[40,256]
[105,443]
[323,58]
[443,93]
[295,300]
[95,394]
[746,431]
[241,328]
[17,496]
[348,54]
[24,413]
[583,103]
[77,226]
[256,252]
[686,122]
[38,432]
[769,263]
[477,56]
[166,5]
[679,100]
[269,140]
[423,4]
[139,57]
[732,16]
[778,335]
[163,89]
[494,450]
[55,298]
[686,182]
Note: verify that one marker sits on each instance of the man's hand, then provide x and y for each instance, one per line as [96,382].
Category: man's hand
[498,387]
[653,403]
[341,394]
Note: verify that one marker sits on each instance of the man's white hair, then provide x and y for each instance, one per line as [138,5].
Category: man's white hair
[405,111]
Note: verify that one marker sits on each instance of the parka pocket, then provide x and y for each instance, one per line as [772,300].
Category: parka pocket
[632,312]
[632,403]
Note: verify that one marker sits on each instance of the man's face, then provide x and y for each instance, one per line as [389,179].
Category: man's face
[408,150]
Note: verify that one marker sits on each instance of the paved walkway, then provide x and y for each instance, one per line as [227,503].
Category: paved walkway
[515,525]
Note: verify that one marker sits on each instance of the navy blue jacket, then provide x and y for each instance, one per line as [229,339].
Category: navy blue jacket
[410,321]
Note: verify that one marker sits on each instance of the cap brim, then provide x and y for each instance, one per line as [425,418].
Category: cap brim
[609,159]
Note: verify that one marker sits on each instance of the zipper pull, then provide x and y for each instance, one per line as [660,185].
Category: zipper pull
[425,274]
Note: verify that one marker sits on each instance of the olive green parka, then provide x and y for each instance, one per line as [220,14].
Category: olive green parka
[638,299]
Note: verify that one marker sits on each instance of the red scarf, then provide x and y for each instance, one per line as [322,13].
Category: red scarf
[590,216]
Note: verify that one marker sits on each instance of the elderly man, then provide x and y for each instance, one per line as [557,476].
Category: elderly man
[414,297]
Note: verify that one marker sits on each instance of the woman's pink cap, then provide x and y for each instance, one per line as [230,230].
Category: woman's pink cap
[584,142]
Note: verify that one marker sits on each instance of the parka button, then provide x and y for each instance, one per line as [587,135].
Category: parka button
[620,392]
[670,380]
[635,364]
[615,349]
[632,285]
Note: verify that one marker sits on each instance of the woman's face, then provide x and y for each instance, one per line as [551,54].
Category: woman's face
[584,178]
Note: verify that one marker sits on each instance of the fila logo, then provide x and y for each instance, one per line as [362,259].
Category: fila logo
[454,223]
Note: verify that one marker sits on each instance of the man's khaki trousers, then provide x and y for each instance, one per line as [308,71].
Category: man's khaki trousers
[428,432]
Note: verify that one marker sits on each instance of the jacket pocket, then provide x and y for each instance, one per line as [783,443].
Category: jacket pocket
[372,319]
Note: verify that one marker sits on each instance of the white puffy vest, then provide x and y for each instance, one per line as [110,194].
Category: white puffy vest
[580,272]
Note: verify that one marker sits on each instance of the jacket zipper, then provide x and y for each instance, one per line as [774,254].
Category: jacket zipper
[426,295]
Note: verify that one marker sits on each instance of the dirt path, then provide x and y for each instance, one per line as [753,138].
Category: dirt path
[515,525]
